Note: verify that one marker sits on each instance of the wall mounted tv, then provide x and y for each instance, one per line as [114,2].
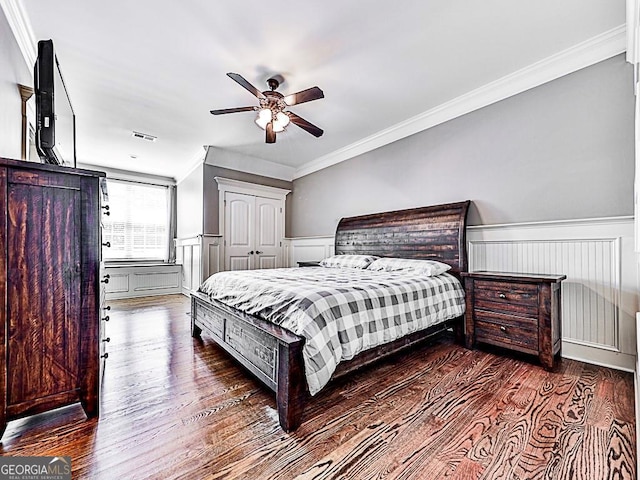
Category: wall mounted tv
[55,119]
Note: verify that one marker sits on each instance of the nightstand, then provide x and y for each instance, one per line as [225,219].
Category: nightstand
[517,311]
[309,264]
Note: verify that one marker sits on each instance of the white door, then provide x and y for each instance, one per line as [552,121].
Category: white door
[268,223]
[239,231]
[253,231]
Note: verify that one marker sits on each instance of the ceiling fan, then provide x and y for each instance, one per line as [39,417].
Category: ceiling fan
[272,116]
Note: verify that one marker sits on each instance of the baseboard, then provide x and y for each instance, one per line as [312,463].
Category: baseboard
[598,356]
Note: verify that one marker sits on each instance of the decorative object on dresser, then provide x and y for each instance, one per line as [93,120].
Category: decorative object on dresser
[517,311]
[49,287]
[275,355]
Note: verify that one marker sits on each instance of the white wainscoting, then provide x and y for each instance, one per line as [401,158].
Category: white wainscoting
[308,249]
[599,296]
[200,257]
[128,281]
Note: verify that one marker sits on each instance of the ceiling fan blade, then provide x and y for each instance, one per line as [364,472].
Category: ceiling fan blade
[232,110]
[303,124]
[244,83]
[271,135]
[313,93]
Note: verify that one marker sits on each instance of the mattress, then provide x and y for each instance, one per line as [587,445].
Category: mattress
[340,312]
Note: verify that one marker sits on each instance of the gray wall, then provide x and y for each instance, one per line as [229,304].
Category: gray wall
[564,150]
[211,199]
[189,206]
[13,70]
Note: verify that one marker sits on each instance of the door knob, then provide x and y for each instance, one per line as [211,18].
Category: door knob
[251,252]
[259,252]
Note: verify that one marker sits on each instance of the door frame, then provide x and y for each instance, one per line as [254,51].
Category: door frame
[236,186]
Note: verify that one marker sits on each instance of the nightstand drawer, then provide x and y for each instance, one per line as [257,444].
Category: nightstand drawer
[506,320]
[508,336]
[509,299]
[510,293]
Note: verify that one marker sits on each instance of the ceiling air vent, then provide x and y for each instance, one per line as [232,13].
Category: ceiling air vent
[144,136]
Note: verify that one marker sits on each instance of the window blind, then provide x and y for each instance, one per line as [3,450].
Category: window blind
[138,225]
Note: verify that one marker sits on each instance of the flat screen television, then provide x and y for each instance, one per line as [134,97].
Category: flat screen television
[55,119]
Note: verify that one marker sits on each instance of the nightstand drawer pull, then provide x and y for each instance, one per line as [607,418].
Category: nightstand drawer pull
[503,328]
[502,295]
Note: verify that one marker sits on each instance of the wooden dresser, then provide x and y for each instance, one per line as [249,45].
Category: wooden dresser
[515,311]
[49,287]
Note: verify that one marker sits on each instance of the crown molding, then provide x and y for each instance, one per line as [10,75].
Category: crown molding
[197,161]
[589,52]
[633,31]
[238,186]
[21,27]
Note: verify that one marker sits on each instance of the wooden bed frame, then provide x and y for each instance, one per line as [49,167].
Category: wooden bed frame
[274,354]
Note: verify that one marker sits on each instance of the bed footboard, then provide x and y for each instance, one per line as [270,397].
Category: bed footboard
[272,354]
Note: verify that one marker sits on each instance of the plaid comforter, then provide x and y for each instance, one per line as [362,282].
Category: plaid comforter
[339,311]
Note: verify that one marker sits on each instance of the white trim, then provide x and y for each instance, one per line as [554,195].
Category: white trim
[248,164]
[230,185]
[197,162]
[633,31]
[127,175]
[557,223]
[589,52]
[21,27]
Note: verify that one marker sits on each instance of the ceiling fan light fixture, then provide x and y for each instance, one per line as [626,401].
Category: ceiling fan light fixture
[264,117]
[280,119]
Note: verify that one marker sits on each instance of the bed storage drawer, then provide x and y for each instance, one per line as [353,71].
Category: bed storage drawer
[254,345]
[210,320]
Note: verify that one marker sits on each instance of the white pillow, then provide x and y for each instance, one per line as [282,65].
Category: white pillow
[348,261]
[429,268]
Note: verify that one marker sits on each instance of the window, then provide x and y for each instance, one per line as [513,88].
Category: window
[138,225]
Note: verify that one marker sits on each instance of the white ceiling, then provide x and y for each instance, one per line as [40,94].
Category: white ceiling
[158,67]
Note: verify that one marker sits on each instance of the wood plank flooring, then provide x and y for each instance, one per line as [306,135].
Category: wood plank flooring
[176,407]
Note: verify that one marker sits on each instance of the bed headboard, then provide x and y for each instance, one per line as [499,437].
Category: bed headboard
[437,232]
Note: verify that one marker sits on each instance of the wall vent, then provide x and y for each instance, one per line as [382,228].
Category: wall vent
[144,136]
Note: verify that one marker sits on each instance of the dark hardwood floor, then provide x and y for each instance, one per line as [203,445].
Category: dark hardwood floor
[175,407]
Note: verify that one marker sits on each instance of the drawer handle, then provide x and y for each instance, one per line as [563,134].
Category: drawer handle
[106,244]
[108,307]
[105,356]
[503,328]
[106,319]
[502,295]
[108,339]
[106,278]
